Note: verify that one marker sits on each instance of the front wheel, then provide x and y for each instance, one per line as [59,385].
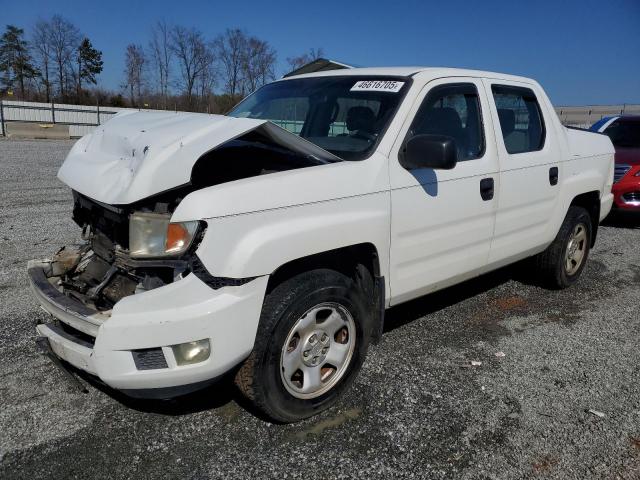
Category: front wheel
[312,339]
[561,264]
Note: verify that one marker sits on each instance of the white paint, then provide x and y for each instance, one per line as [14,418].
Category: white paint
[426,239]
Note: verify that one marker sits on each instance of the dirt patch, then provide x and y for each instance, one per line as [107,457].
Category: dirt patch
[544,464]
[509,304]
[496,310]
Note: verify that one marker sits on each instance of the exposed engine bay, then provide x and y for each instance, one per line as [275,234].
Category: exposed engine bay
[100,271]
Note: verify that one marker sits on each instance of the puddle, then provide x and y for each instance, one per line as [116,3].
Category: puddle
[322,425]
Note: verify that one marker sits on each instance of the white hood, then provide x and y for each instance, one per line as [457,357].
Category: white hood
[136,155]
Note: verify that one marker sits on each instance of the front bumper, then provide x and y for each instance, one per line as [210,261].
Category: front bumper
[626,192]
[104,344]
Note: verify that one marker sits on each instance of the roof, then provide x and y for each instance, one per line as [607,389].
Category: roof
[318,65]
[410,71]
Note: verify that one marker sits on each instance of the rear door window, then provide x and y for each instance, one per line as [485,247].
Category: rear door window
[520,118]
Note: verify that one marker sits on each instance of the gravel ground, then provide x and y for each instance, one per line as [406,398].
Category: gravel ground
[414,411]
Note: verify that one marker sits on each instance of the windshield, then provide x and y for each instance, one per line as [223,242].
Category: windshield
[345,115]
[624,133]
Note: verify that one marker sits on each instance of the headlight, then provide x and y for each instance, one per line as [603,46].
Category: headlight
[152,235]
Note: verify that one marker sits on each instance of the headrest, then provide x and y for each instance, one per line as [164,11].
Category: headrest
[360,118]
[507,120]
[441,121]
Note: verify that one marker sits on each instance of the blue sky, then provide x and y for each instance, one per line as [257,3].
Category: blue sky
[583,52]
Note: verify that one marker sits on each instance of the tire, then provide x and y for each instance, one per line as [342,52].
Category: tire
[557,266]
[281,383]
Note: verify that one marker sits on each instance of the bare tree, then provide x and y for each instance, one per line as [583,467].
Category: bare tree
[134,72]
[41,41]
[205,84]
[230,51]
[160,55]
[193,55]
[259,62]
[299,61]
[64,38]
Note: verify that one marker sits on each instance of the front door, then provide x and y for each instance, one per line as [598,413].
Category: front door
[442,221]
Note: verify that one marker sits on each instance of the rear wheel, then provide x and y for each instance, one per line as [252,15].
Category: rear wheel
[561,264]
[312,339]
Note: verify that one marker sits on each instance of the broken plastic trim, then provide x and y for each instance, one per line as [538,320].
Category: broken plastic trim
[43,345]
[200,271]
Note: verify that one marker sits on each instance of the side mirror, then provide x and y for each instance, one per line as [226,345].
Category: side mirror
[429,151]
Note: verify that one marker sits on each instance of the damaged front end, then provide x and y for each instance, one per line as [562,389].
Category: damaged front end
[128,178]
[133,300]
[127,250]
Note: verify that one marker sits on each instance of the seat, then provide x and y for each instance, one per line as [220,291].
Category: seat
[445,121]
[514,140]
[360,119]
[507,119]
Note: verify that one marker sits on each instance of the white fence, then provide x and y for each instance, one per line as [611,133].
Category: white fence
[81,119]
[586,116]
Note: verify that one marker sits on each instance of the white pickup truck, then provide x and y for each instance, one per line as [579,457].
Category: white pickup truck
[268,243]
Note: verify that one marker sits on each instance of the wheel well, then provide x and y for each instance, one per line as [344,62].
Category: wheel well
[590,201]
[360,262]
[344,260]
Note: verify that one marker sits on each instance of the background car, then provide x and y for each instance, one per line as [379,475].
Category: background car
[624,132]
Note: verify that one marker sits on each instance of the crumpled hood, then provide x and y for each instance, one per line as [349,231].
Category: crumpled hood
[136,155]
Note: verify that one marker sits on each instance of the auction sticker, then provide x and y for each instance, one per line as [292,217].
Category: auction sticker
[377,86]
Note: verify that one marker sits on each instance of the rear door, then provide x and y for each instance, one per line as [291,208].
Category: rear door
[529,156]
[442,220]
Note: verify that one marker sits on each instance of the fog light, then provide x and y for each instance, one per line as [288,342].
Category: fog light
[191,352]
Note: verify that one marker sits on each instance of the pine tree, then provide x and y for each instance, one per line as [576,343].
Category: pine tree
[15,59]
[89,63]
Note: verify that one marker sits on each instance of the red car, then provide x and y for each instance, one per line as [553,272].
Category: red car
[624,132]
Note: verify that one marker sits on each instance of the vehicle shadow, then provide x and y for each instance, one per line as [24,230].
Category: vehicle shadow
[213,397]
[622,219]
[428,304]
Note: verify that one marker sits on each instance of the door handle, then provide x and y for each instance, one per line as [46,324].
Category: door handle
[486,188]
[553,175]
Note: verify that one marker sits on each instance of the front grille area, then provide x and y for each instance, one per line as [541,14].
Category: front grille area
[621,170]
[76,335]
[632,198]
[149,359]
[112,222]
